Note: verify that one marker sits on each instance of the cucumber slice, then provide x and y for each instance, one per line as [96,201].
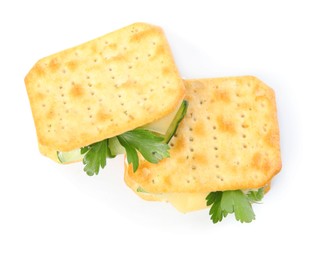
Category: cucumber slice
[168,125]
[71,156]
[162,125]
[115,147]
[176,121]
[75,155]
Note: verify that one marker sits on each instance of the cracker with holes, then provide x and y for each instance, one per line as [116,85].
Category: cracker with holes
[224,153]
[85,96]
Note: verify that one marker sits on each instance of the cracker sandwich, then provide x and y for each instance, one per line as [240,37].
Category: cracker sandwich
[119,93]
[224,153]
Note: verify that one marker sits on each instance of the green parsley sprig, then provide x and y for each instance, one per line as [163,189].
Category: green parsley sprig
[149,144]
[233,201]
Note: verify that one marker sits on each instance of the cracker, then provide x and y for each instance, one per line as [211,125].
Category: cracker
[184,202]
[103,88]
[228,140]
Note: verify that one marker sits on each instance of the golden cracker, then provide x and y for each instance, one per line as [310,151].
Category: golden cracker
[228,140]
[102,88]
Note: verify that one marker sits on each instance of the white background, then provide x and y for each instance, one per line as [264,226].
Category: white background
[50,211]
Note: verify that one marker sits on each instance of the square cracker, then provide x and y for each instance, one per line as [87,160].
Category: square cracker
[228,140]
[103,88]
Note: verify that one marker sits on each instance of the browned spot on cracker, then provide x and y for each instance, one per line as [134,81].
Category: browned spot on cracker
[271,138]
[262,99]
[126,85]
[259,91]
[160,50]
[76,91]
[50,114]
[260,163]
[200,159]
[256,160]
[266,166]
[116,58]
[39,70]
[72,65]
[54,65]
[225,125]
[222,95]
[103,116]
[199,129]
[189,97]
[141,35]
[167,180]
[179,144]
[166,71]
[39,96]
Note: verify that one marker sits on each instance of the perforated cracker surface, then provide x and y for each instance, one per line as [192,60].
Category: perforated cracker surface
[102,88]
[228,140]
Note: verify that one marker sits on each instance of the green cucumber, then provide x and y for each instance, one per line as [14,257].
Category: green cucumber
[71,156]
[115,147]
[176,121]
[74,156]
[161,126]
[168,125]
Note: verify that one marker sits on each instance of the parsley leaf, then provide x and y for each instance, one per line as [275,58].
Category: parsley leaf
[95,156]
[256,195]
[233,201]
[150,145]
[216,213]
[131,152]
[236,201]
